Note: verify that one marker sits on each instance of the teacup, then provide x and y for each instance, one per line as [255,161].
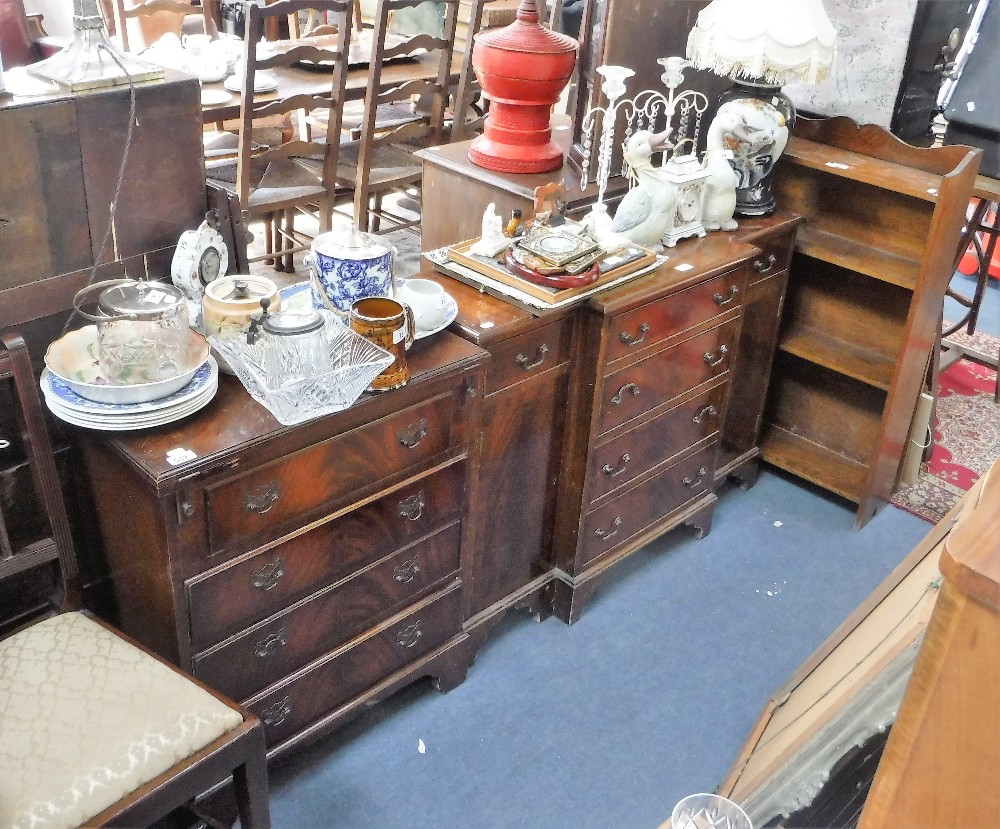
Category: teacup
[428,301]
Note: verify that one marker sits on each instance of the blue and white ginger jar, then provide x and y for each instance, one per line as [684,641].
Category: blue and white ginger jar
[347,265]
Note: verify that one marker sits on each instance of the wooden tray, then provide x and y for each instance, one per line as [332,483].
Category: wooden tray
[493,269]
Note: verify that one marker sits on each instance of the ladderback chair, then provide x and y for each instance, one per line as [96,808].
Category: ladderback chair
[468,117]
[272,181]
[96,730]
[377,163]
[139,24]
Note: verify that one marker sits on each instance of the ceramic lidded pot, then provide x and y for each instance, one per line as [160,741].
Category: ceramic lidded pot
[522,69]
[347,265]
[232,301]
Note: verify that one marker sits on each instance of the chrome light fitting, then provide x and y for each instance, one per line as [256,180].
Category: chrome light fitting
[92,60]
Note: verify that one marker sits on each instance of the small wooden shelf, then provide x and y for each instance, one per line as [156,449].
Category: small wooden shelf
[817,464]
[826,349]
[872,261]
[880,264]
[898,178]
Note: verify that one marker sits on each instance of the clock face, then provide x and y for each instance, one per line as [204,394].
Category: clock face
[687,205]
[209,265]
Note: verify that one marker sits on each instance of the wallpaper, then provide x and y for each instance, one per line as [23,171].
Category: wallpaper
[872,38]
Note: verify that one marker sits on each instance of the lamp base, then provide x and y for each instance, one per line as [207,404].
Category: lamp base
[755,119]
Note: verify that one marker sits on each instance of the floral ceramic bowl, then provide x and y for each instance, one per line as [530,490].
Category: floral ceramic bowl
[73,357]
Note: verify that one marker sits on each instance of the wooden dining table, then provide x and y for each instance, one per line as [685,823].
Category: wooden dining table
[296,80]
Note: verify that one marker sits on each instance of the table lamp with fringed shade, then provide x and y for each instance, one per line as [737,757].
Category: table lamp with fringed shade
[762,45]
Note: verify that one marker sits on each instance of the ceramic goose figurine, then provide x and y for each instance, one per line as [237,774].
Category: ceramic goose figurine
[719,204]
[644,213]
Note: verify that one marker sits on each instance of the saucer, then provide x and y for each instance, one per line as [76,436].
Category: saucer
[214,97]
[450,313]
[262,83]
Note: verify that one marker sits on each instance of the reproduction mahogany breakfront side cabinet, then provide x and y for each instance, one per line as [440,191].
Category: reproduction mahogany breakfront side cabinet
[304,570]
[872,262]
[605,424]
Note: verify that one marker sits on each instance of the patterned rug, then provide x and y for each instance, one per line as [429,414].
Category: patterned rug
[966,436]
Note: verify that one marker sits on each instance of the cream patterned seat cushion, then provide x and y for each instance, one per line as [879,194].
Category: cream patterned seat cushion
[86,718]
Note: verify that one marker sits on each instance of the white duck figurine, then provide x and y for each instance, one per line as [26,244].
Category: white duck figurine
[644,213]
[719,204]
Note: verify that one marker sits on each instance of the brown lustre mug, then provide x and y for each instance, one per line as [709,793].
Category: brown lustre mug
[390,325]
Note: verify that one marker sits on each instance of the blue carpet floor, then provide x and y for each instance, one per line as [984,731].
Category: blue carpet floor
[607,723]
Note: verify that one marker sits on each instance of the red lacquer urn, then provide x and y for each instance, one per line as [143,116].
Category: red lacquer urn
[522,68]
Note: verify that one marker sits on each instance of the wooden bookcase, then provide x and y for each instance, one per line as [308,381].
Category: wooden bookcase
[871,265]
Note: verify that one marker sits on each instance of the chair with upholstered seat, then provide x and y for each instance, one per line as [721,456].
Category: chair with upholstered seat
[23,40]
[273,180]
[96,730]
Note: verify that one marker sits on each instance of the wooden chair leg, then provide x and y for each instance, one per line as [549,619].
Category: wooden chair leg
[250,787]
[289,241]
[269,239]
[375,219]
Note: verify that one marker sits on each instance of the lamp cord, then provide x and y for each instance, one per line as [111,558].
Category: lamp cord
[113,207]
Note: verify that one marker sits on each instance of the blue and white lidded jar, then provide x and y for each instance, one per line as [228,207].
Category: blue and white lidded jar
[347,265]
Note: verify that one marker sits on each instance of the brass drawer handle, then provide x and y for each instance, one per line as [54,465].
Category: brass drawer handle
[272,643]
[407,571]
[765,266]
[713,360]
[411,435]
[608,469]
[268,576]
[632,387]
[708,411]
[527,363]
[691,483]
[408,636]
[630,341]
[604,535]
[724,299]
[277,712]
[412,507]
[261,500]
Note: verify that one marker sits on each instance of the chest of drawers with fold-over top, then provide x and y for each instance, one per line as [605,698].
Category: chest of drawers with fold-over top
[304,570]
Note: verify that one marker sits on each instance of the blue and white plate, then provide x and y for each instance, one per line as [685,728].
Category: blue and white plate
[53,386]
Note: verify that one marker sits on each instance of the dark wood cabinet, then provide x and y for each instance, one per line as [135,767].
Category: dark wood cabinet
[305,570]
[872,261]
[64,152]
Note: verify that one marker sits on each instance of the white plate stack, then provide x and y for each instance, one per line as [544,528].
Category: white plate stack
[67,405]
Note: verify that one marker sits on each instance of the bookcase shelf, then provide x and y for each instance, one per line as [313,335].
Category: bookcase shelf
[871,265]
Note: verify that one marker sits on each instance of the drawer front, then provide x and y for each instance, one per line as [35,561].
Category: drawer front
[276,495]
[236,596]
[288,708]
[659,378]
[609,526]
[777,253]
[529,354]
[649,324]
[629,455]
[263,655]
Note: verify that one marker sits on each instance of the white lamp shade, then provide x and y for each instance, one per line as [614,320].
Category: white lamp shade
[779,41]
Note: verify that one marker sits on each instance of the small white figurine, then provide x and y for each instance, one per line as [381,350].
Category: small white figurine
[492,240]
[644,213]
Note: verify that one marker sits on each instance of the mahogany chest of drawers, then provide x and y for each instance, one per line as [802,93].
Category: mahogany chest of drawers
[609,422]
[303,570]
